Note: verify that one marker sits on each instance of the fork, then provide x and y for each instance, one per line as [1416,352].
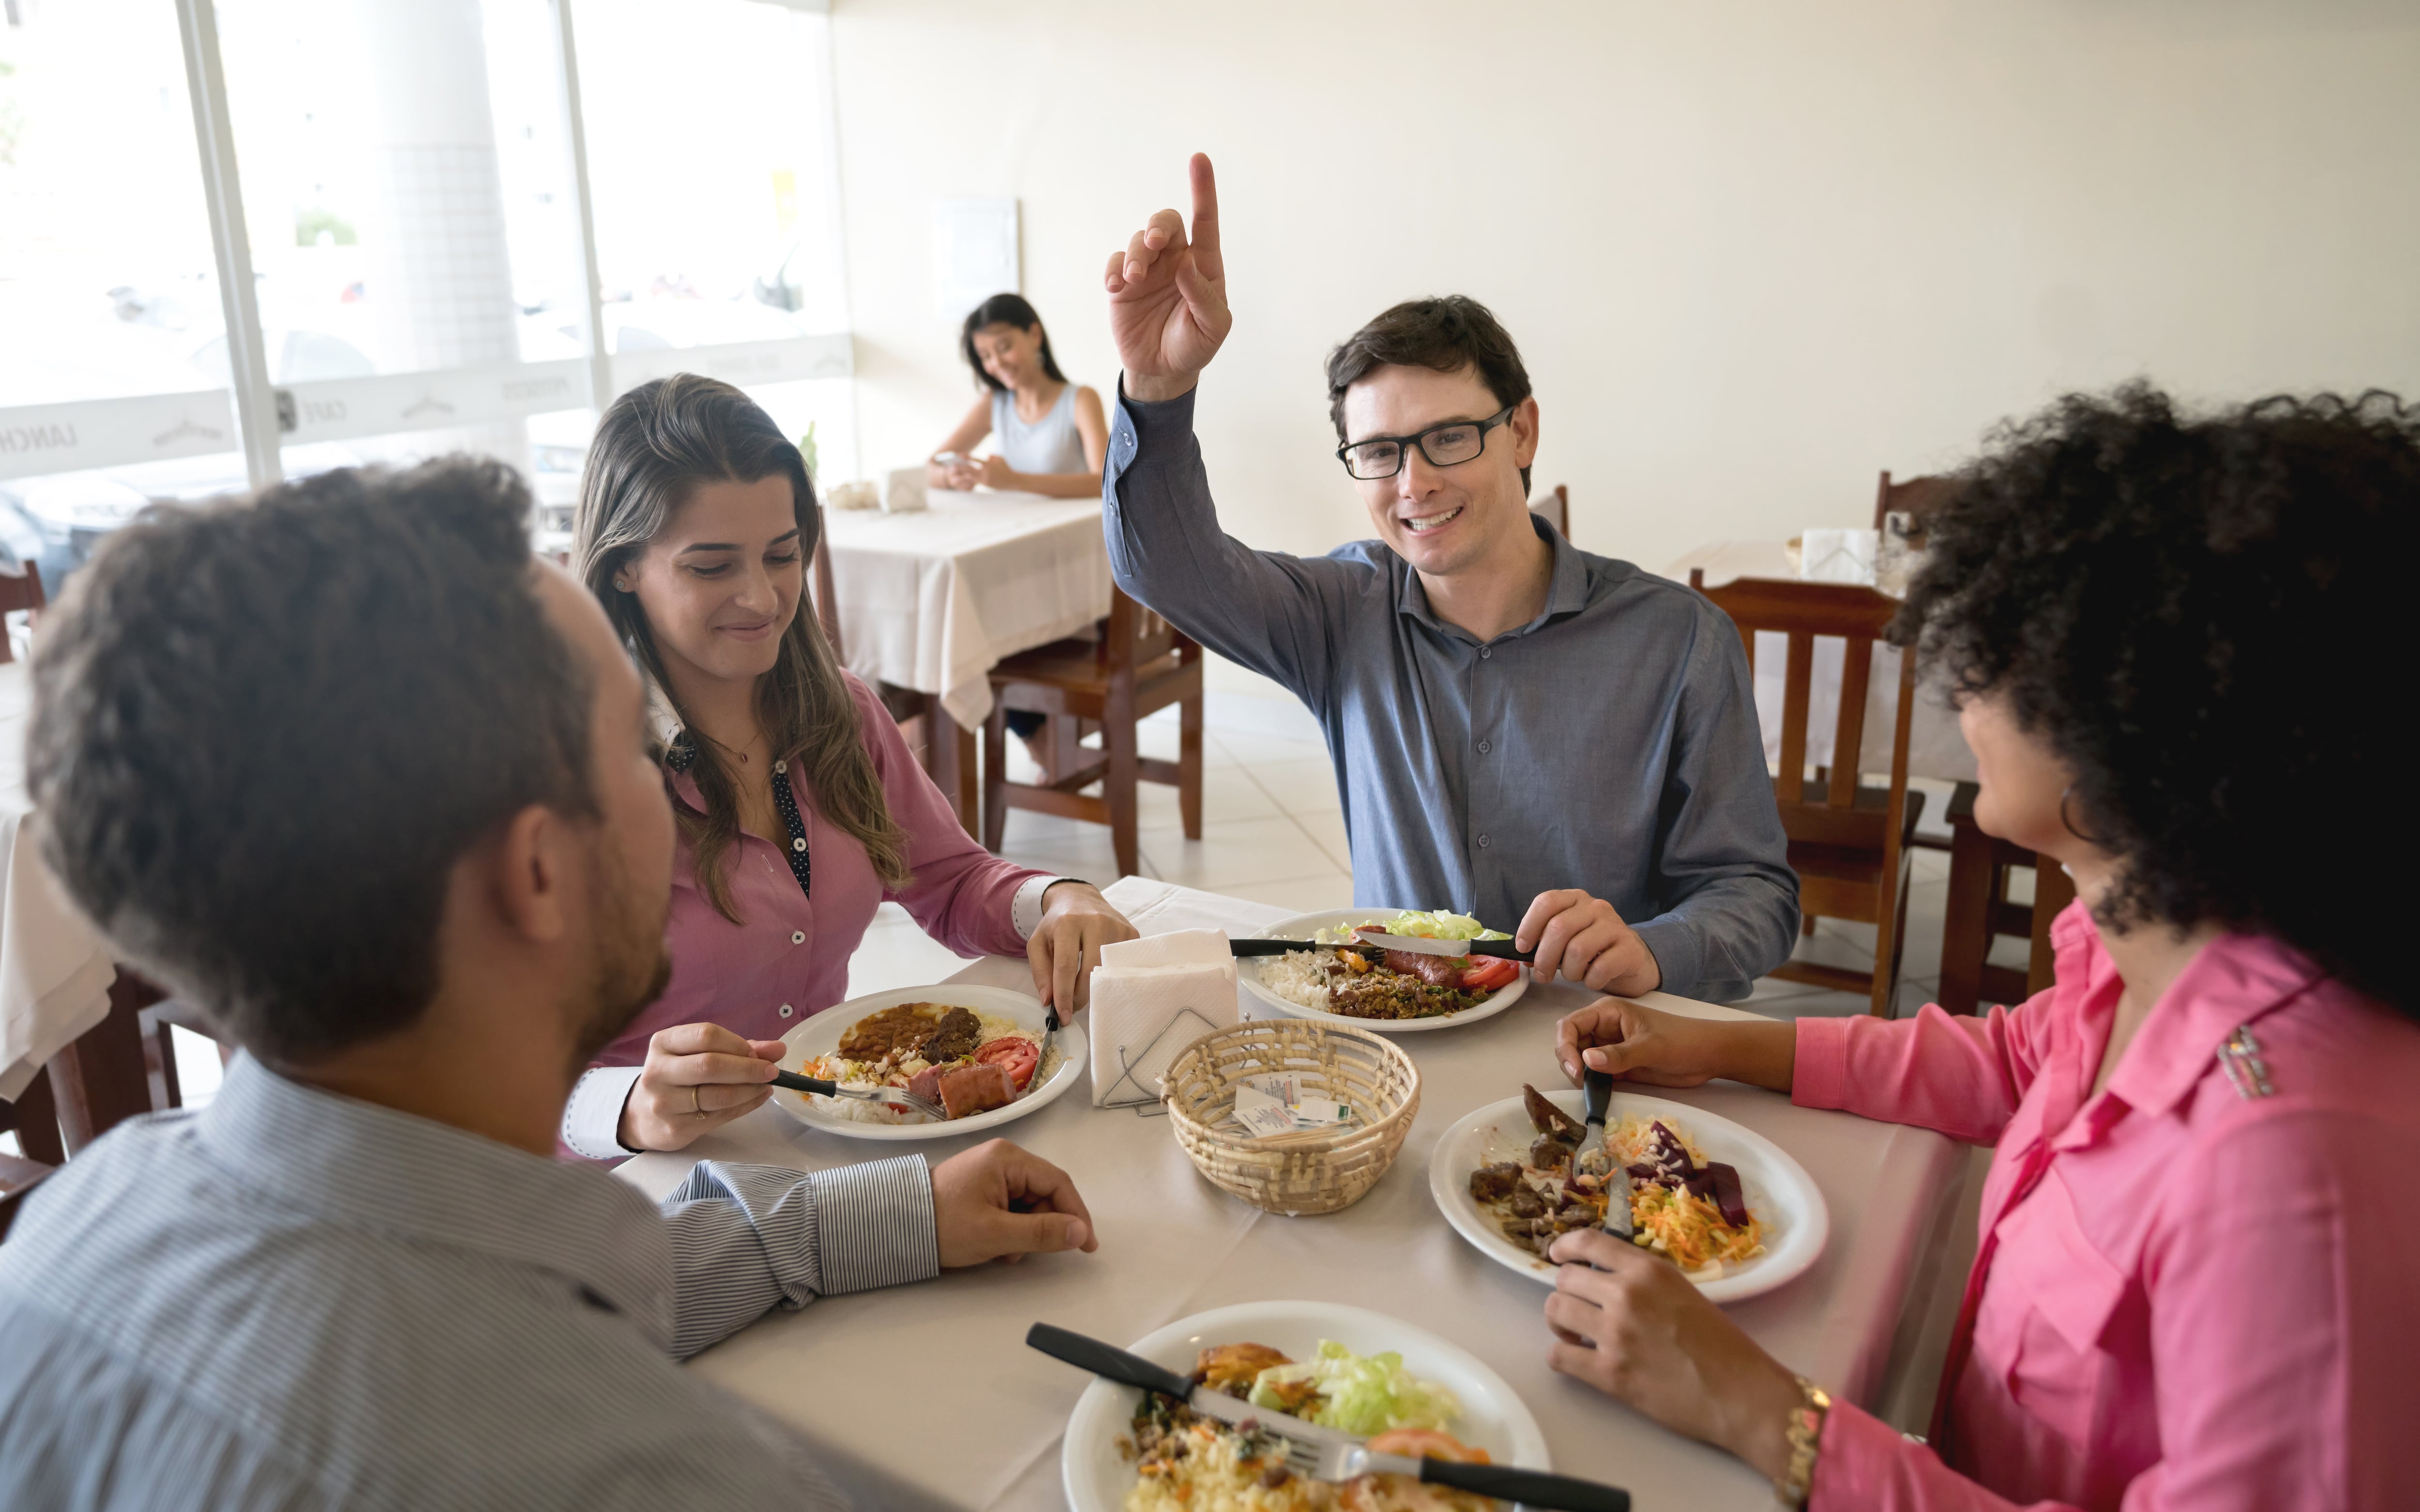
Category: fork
[796,1083]
[1342,1458]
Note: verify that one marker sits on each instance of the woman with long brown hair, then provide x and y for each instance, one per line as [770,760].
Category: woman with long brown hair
[800,807]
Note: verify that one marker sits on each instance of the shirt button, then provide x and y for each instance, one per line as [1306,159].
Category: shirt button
[1482,843]
[1484,748]
[785,1010]
[1485,652]
[798,844]
[798,937]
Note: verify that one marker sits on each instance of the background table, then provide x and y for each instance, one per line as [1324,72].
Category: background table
[932,601]
[54,971]
[1935,749]
[977,1426]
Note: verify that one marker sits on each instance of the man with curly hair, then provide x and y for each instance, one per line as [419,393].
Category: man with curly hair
[2193,1291]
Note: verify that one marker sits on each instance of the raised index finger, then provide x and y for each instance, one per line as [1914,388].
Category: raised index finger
[1205,219]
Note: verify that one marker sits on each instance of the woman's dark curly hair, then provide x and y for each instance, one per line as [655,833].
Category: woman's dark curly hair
[2198,614]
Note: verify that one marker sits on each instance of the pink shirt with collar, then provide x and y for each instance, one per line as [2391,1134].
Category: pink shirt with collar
[789,958]
[2187,1299]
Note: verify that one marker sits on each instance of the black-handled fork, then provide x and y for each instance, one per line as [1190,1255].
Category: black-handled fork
[796,1083]
[1335,1459]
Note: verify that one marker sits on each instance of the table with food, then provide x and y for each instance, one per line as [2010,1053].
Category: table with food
[1320,1272]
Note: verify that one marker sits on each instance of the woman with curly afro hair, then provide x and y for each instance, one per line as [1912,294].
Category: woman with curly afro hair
[2168,636]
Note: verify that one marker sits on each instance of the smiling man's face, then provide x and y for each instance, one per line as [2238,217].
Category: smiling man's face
[1469,516]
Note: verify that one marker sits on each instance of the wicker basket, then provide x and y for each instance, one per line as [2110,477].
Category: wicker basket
[1314,1170]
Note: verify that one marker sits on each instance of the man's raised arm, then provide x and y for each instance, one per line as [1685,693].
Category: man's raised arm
[1168,312]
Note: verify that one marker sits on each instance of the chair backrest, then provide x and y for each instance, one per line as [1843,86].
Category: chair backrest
[1556,506]
[1917,496]
[1859,616]
[827,602]
[1137,636]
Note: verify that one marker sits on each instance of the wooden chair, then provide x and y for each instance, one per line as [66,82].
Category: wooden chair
[88,1088]
[15,593]
[1141,663]
[1917,496]
[1848,841]
[945,750]
[1978,910]
[1557,507]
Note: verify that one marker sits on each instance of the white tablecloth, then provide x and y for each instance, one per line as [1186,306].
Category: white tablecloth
[933,601]
[979,1425]
[54,971]
[1934,748]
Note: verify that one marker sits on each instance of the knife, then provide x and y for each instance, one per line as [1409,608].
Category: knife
[1420,945]
[1280,947]
[1532,1487]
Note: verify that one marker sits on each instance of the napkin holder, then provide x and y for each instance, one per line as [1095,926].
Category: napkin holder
[1838,556]
[1150,998]
[905,494]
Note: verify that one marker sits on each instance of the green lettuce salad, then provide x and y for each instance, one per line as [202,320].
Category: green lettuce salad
[1440,925]
[1362,1395]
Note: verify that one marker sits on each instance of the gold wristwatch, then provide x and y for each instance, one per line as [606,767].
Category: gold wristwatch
[1805,1436]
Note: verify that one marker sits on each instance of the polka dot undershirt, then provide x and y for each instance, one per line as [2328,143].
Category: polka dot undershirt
[682,753]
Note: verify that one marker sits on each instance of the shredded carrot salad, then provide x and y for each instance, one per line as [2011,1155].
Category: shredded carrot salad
[1690,1229]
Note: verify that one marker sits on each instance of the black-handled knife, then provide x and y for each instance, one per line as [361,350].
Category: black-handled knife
[1346,1453]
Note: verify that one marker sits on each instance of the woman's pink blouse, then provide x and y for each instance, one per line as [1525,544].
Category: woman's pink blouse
[789,956]
[2206,1300]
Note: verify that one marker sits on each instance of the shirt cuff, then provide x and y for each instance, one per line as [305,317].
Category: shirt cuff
[874,1226]
[1158,421]
[1674,945]
[591,1120]
[1024,909]
[1818,1075]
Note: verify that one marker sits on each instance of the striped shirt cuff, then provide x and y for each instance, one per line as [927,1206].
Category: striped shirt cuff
[874,1226]
[592,1119]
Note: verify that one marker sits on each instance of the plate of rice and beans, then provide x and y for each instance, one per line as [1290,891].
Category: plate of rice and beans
[1404,1388]
[982,1053]
[1726,1204]
[1396,992]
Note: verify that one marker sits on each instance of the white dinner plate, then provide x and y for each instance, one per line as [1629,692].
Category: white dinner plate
[1301,927]
[1781,1194]
[1493,1418]
[821,1035]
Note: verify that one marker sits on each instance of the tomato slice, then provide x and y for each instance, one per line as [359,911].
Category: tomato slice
[1015,1056]
[1487,973]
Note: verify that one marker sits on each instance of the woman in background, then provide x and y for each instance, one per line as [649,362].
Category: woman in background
[1053,437]
[800,806]
[1050,435]
[2192,1289]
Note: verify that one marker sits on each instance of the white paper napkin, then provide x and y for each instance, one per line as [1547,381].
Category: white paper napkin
[1151,998]
[1837,556]
[906,493]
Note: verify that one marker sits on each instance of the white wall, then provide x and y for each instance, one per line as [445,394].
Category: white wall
[1752,253]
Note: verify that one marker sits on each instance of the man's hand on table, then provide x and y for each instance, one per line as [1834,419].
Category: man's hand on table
[1587,941]
[1168,297]
[996,1202]
[697,1077]
[1076,922]
[1629,1323]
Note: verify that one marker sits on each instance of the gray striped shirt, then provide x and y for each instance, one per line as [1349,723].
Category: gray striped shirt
[296,1299]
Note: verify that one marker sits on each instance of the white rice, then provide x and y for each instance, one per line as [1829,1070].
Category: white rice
[1299,977]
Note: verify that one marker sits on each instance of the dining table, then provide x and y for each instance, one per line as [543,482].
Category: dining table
[926,1397]
[1935,749]
[54,968]
[931,601]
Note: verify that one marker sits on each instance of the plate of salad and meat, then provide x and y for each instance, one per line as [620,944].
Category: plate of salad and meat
[985,1054]
[1341,979]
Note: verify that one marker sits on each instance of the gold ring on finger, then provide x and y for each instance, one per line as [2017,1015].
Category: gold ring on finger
[697,1100]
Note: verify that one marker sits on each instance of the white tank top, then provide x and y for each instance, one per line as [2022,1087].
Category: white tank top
[1050,445]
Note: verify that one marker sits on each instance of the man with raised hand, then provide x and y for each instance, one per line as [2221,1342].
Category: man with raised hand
[1521,729]
[350,769]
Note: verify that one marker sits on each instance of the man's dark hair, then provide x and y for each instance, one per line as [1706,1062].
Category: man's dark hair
[2191,610]
[1448,335]
[264,732]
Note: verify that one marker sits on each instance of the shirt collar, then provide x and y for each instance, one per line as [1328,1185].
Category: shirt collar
[1567,588]
[341,1161]
[2236,980]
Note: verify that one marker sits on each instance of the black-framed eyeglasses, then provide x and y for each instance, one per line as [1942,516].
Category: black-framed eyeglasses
[1456,440]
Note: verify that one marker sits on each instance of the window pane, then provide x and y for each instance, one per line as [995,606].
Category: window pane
[107,288]
[709,168]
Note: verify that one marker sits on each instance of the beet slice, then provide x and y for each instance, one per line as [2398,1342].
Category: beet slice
[1728,1195]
